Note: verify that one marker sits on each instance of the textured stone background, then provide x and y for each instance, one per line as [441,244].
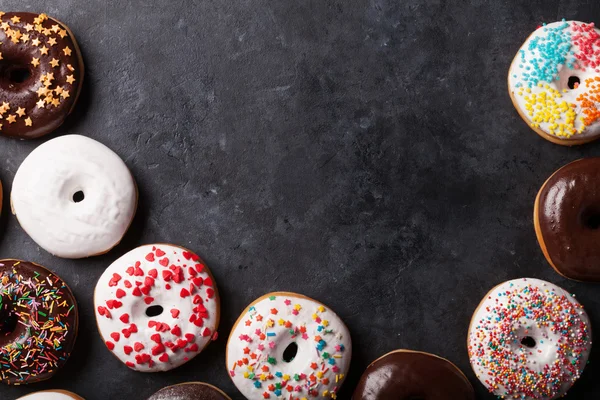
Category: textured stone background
[362,153]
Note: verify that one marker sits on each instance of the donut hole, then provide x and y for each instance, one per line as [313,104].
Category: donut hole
[573,82]
[591,218]
[78,196]
[290,352]
[14,73]
[528,341]
[154,311]
[8,321]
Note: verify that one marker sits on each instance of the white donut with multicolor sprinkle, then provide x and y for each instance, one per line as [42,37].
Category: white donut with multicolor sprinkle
[51,395]
[157,307]
[529,339]
[554,82]
[288,346]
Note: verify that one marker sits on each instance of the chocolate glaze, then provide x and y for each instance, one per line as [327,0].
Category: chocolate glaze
[189,391]
[568,214]
[38,318]
[18,52]
[409,375]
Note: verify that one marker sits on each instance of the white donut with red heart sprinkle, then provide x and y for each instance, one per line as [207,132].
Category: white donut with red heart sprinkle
[157,307]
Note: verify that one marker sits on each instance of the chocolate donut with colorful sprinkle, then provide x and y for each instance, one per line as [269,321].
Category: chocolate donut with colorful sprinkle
[52,395]
[529,339]
[288,346]
[157,307]
[38,322]
[41,72]
[554,82]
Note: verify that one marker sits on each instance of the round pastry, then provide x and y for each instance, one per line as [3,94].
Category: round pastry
[190,391]
[407,375]
[567,220]
[51,395]
[41,71]
[554,82]
[38,322]
[529,339]
[74,196]
[157,307]
[290,346]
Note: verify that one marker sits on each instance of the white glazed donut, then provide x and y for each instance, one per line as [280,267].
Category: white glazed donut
[157,307]
[47,196]
[554,82]
[51,395]
[260,351]
[529,339]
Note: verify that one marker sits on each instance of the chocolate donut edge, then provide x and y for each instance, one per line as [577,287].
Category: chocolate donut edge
[208,385]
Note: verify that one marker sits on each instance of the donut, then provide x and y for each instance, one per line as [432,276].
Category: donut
[554,80]
[157,307]
[38,322]
[51,395]
[41,72]
[74,196]
[408,375]
[529,339]
[566,217]
[190,391]
[286,345]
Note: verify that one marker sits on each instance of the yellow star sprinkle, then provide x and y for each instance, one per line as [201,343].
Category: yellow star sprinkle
[21,112]
[52,41]
[15,19]
[54,63]
[42,91]
[11,119]
[55,28]
[41,103]
[58,90]
[44,50]
[56,102]
[47,32]
[28,122]
[67,51]
[35,62]
[62,33]
[25,38]
[35,42]
[70,79]
[65,94]
[38,28]
[28,27]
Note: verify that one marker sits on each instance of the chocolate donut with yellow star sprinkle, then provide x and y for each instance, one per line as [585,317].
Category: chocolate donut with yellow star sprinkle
[41,72]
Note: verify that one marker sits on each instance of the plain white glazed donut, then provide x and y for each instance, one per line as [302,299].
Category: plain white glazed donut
[51,395]
[44,197]
[163,276]
[259,364]
[539,77]
[529,339]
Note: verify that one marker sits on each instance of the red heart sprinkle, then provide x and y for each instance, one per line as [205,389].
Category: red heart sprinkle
[116,336]
[110,345]
[156,338]
[167,275]
[208,281]
[198,281]
[160,253]
[209,292]
[176,331]
[163,358]
[120,293]
[187,255]
[136,291]
[133,328]
[138,347]
[153,273]
[190,338]
[145,290]
[164,262]
[174,313]
[127,284]
[130,271]
[206,332]
[199,267]
[184,293]
[124,318]
[127,350]
[150,257]
[158,349]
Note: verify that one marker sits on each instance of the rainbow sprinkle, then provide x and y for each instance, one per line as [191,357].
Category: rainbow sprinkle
[41,338]
[515,370]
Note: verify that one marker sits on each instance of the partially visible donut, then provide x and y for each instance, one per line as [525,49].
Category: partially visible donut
[529,339]
[190,391]
[157,307]
[41,72]
[408,375]
[554,80]
[38,322]
[286,345]
[51,395]
[74,196]
[567,220]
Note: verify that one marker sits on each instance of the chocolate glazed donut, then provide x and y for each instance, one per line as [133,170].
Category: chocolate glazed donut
[38,322]
[567,220]
[413,375]
[190,391]
[41,71]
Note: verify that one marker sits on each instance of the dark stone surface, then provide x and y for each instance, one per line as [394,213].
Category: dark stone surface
[365,154]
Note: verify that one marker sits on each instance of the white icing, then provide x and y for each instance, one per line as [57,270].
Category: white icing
[488,323]
[164,259]
[245,340]
[522,62]
[50,395]
[43,189]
